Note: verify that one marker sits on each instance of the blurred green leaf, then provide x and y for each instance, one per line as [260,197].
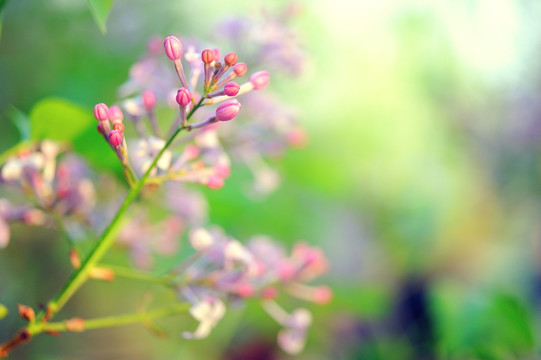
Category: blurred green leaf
[100,12]
[59,119]
[22,122]
[2,4]
[3,311]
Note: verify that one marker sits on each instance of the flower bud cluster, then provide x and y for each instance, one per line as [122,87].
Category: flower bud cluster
[226,269]
[204,160]
[61,186]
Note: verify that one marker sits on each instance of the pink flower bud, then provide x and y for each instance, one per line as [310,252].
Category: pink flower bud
[269,293]
[322,295]
[216,54]
[260,79]
[207,56]
[191,152]
[118,126]
[286,270]
[223,171]
[101,130]
[149,99]
[173,48]
[183,97]
[115,114]
[240,69]
[244,290]
[231,59]
[101,112]
[231,88]
[215,182]
[228,110]
[115,138]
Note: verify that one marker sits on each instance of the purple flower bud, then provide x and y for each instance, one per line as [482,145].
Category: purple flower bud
[228,110]
[149,99]
[115,114]
[100,128]
[183,97]
[115,138]
[260,80]
[231,88]
[101,112]
[173,48]
[240,69]
[207,56]
[231,59]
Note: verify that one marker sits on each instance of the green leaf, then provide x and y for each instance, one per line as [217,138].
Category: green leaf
[2,4]
[59,119]
[3,311]
[22,122]
[100,11]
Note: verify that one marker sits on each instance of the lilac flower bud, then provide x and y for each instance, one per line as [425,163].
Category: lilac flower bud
[115,138]
[100,128]
[118,126]
[231,59]
[228,110]
[216,54]
[115,114]
[207,56]
[260,80]
[149,99]
[101,112]
[215,182]
[322,295]
[173,48]
[231,88]
[240,69]
[183,97]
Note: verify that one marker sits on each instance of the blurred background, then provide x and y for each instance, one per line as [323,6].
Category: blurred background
[420,180]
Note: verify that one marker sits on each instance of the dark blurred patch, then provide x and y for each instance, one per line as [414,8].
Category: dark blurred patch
[411,318]
[251,347]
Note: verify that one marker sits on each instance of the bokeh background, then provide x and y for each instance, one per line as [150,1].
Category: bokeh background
[421,179]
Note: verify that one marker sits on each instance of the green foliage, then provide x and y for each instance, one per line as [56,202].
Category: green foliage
[3,311]
[2,4]
[100,12]
[491,325]
[58,119]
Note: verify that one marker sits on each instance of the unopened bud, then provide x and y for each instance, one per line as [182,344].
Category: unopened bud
[215,182]
[231,88]
[116,138]
[101,112]
[207,56]
[231,59]
[322,295]
[115,114]
[149,99]
[102,273]
[228,110]
[75,259]
[119,126]
[173,48]
[240,69]
[260,80]
[183,97]
[76,324]
[26,313]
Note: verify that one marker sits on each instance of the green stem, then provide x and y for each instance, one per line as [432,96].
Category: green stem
[78,278]
[111,321]
[137,275]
